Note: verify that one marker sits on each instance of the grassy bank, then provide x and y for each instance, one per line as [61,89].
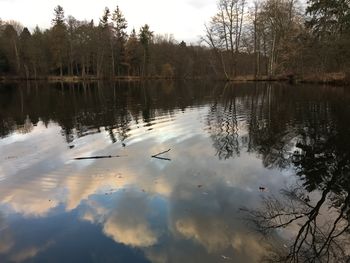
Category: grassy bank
[336,78]
[75,78]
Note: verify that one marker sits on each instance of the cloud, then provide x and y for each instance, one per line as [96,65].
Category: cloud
[199,4]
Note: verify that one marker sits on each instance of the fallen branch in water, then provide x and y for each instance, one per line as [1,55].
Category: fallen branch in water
[161,153]
[161,158]
[99,157]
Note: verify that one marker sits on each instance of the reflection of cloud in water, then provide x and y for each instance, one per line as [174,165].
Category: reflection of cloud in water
[214,221]
[8,245]
[29,204]
[212,240]
[6,239]
[205,218]
[95,213]
[128,224]
[26,153]
[28,253]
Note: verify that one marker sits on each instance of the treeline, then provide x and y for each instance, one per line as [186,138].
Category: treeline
[81,48]
[267,39]
[281,36]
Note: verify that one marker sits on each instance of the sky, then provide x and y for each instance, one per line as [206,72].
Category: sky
[183,18]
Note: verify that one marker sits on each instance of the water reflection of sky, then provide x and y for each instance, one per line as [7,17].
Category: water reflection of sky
[134,208]
[171,211]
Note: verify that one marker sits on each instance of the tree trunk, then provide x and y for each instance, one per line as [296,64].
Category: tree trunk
[35,72]
[112,54]
[272,57]
[17,57]
[26,71]
[144,63]
[83,69]
[77,69]
[61,70]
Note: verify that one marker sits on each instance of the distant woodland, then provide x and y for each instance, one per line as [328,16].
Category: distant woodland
[264,39]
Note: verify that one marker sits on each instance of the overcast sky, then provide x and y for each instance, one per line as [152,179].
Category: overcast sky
[183,18]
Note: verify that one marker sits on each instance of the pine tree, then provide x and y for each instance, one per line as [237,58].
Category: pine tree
[105,55]
[119,24]
[119,40]
[11,48]
[330,25]
[59,45]
[145,37]
[58,16]
[25,47]
[329,17]
[41,54]
[104,21]
[134,54]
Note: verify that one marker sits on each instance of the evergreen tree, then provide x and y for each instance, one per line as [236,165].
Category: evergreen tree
[11,48]
[329,22]
[134,54]
[119,24]
[119,39]
[104,20]
[328,17]
[105,65]
[58,16]
[58,39]
[25,50]
[40,52]
[145,37]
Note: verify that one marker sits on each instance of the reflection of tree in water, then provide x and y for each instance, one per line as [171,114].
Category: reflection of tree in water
[319,210]
[223,126]
[87,108]
[320,228]
[270,127]
[304,127]
[265,113]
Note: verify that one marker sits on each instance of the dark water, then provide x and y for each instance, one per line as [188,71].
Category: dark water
[255,172]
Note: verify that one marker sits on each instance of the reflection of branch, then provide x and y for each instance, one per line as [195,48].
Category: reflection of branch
[315,241]
[161,158]
[99,157]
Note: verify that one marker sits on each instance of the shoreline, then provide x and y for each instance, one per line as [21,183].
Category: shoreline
[338,79]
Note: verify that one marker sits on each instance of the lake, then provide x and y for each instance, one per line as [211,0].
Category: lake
[185,172]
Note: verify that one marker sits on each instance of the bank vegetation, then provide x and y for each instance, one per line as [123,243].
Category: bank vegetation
[264,40]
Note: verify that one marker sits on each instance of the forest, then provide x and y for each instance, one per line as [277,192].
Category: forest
[268,39]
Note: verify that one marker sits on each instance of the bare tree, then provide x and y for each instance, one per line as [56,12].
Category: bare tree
[224,33]
[281,25]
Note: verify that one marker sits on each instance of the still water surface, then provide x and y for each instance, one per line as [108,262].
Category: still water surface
[241,157]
